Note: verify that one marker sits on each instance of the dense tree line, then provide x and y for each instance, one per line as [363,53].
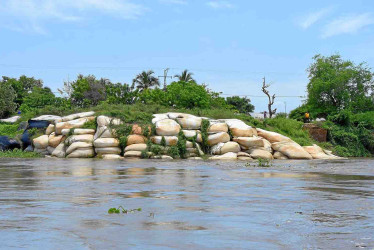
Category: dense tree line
[27,94]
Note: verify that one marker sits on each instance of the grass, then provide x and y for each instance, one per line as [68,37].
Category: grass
[9,130]
[18,153]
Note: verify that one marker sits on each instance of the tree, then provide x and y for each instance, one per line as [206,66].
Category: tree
[188,95]
[87,90]
[120,93]
[242,104]
[271,98]
[185,76]
[7,97]
[145,80]
[38,98]
[22,86]
[336,84]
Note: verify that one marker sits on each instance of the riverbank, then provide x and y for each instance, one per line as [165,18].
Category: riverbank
[168,135]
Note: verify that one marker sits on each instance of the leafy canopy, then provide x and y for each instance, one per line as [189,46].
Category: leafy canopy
[336,84]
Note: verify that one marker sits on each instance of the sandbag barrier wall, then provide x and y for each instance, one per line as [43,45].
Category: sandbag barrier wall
[228,139]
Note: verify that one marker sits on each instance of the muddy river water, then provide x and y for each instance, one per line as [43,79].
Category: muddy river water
[63,204]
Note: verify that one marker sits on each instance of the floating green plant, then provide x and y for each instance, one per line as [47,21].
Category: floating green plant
[120,209]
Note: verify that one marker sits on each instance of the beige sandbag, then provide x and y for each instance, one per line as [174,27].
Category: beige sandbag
[272,136]
[40,142]
[218,127]
[106,142]
[291,149]
[78,131]
[78,145]
[167,127]
[227,156]
[55,140]
[279,156]
[136,147]
[136,139]
[131,154]
[214,139]
[188,121]
[82,153]
[78,123]
[223,148]
[108,150]
[259,153]
[50,129]
[78,115]
[249,142]
[79,138]
[318,153]
[60,151]
[239,128]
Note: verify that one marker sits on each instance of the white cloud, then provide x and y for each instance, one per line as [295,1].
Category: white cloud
[31,15]
[314,17]
[220,5]
[347,25]
[180,2]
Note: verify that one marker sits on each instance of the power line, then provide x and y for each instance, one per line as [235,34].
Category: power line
[56,67]
[299,96]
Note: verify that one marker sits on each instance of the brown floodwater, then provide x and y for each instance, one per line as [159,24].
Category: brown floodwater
[63,204]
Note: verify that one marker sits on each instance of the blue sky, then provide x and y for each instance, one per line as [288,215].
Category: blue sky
[230,45]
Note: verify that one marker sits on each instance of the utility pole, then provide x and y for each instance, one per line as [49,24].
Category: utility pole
[165,76]
[285,107]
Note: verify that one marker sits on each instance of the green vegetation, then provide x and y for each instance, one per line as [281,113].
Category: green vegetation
[18,153]
[341,92]
[9,130]
[120,209]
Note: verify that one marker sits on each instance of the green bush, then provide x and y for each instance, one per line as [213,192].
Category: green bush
[342,118]
[365,119]
[173,151]
[9,130]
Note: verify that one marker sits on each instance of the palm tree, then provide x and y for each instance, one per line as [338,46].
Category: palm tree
[145,80]
[185,76]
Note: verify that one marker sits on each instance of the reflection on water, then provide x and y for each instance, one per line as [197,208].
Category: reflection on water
[48,203]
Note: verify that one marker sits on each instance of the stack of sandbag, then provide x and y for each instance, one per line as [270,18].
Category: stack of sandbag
[53,142]
[105,141]
[41,144]
[168,129]
[73,121]
[136,142]
[79,146]
[251,145]
[283,146]
[219,141]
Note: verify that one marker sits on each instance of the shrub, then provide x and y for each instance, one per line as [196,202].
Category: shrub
[173,151]
[7,97]
[9,130]
[365,119]
[342,118]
